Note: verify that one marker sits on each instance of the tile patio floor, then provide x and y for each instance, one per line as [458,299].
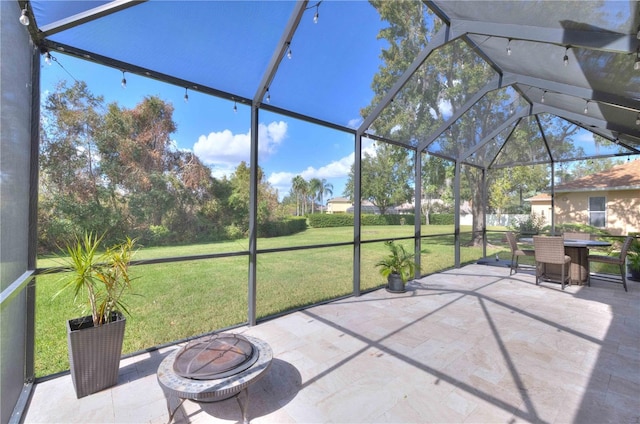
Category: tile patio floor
[471,345]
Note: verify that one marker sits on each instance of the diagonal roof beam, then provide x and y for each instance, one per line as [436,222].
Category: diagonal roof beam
[594,40]
[138,70]
[515,117]
[494,84]
[544,140]
[506,140]
[439,40]
[87,16]
[280,50]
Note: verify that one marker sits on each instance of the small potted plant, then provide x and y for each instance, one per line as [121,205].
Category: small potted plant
[633,260]
[95,341]
[398,266]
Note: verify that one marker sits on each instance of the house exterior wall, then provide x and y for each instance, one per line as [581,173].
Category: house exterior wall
[622,209]
[542,209]
[338,205]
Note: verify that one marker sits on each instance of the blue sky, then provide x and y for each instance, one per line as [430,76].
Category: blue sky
[288,147]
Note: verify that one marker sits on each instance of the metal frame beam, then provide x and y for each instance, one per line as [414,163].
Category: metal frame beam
[417,213]
[586,120]
[593,40]
[510,121]
[87,16]
[575,91]
[495,84]
[280,51]
[493,161]
[252,293]
[138,70]
[439,40]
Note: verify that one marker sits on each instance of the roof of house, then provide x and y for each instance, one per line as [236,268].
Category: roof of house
[540,197]
[339,200]
[625,176]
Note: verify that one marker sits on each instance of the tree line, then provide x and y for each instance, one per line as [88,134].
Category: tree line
[114,171]
[307,193]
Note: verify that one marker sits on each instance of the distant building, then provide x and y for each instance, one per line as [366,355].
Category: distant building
[609,200]
[338,205]
[541,205]
[368,207]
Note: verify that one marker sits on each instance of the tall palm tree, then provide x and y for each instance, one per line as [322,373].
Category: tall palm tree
[318,188]
[315,187]
[305,196]
[326,189]
[299,187]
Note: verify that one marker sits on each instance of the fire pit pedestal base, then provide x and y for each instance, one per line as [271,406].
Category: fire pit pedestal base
[214,390]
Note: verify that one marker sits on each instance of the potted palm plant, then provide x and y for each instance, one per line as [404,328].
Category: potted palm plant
[95,341]
[398,266]
[633,260]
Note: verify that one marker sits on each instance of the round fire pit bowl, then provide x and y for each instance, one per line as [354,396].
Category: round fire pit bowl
[215,389]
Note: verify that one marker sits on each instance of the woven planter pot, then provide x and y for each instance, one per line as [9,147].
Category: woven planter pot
[94,353]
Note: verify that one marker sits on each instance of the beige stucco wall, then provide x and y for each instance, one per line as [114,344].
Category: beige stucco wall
[543,209]
[623,209]
[338,206]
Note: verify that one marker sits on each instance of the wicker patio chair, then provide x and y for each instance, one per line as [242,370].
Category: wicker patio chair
[516,252]
[550,251]
[613,260]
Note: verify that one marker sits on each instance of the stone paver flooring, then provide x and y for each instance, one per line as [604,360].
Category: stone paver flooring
[470,345]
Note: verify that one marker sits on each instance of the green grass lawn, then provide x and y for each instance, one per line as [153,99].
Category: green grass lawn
[183,299]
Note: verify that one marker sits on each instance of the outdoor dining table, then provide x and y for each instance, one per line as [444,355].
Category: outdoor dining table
[578,250]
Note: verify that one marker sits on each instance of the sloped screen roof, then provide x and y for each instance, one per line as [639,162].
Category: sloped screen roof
[475,76]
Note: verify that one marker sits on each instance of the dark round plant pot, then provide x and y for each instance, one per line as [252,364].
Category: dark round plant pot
[635,274]
[395,284]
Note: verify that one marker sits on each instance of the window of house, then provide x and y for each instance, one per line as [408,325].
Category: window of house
[597,211]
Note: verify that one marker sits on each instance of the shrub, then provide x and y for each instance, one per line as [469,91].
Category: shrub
[320,220]
[346,220]
[408,219]
[233,232]
[441,219]
[283,227]
[160,234]
[577,228]
[531,224]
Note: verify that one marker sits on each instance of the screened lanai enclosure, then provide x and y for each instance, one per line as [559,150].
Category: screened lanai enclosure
[194,126]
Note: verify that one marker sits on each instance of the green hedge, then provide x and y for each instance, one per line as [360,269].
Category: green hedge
[282,228]
[441,219]
[346,220]
[368,219]
[325,220]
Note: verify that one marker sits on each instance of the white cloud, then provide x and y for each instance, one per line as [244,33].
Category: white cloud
[354,123]
[219,172]
[225,149]
[281,180]
[333,170]
[336,169]
[368,146]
